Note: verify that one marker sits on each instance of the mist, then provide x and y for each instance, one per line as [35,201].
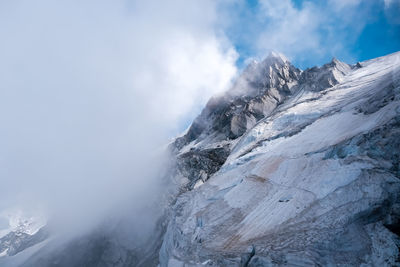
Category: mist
[89,93]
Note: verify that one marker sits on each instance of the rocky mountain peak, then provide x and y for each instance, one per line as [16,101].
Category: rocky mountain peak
[274,71]
[273,55]
[326,76]
[257,91]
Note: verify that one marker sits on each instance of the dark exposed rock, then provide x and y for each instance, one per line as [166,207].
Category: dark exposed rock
[320,78]
[201,164]
[246,257]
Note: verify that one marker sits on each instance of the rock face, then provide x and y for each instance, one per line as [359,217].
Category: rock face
[292,168]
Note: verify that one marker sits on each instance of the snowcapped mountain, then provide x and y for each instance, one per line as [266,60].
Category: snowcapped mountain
[287,168]
[19,231]
[293,168]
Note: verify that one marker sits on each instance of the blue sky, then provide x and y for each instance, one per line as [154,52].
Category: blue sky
[351,30]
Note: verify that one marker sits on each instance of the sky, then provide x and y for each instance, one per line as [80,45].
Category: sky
[312,32]
[90,89]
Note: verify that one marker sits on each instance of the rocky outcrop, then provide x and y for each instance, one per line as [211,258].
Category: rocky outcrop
[200,164]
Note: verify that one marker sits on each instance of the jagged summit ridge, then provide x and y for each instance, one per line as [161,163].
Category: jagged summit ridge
[274,71]
[269,80]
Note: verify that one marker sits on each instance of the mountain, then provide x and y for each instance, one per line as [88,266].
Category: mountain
[293,168]
[289,167]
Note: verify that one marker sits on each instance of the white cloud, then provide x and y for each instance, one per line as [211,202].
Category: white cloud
[89,88]
[289,29]
[392,11]
[341,4]
[388,2]
[311,31]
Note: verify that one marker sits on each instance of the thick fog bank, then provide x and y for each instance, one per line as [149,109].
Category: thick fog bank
[89,91]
